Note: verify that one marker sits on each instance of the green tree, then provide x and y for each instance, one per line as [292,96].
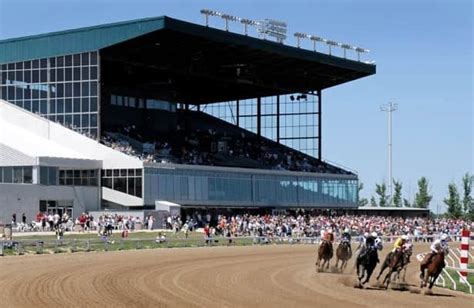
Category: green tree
[362,201]
[397,196]
[422,197]
[453,202]
[468,205]
[381,191]
[373,203]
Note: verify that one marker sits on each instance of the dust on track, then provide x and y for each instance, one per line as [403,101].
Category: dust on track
[263,276]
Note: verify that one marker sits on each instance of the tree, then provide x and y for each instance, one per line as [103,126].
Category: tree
[468,205]
[453,202]
[381,191]
[422,197]
[406,203]
[362,201]
[373,203]
[397,196]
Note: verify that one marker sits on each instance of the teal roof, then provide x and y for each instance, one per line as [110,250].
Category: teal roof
[76,40]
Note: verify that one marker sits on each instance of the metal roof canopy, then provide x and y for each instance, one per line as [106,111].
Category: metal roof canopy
[191,63]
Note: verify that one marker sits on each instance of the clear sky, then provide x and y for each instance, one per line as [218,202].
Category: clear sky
[424,55]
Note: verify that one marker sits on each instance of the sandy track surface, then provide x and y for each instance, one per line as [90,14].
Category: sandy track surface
[265,276]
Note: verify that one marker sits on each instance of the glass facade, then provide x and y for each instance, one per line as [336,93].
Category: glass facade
[298,119]
[16,175]
[78,177]
[64,89]
[128,181]
[208,187]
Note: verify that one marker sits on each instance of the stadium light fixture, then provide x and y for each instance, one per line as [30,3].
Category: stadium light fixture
[330,44]
[315,39]
[274,28]
[345,47]
[300,36]
[360,50]
[248,22]
[228,18]
[207,13]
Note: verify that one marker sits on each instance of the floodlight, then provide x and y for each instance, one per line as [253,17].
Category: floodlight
[345,47]
[360,50]
[208,13]
[273,28]
[248,22]
[228,17]
[299,36]
[331,43]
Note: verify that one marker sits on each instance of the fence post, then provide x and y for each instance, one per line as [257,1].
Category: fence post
[20,249]
[74,246]
[88,245]
[39,247]
[464,256]
[1,249]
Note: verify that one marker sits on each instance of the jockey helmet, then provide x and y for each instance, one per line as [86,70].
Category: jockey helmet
[366,234]
[374,234]
[404,237]
[346,230]
[444,237]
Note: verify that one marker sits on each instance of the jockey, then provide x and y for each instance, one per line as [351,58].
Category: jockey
[377,241]
[439,245]
[400,243]
[329,237]
[346,235]
[346,238]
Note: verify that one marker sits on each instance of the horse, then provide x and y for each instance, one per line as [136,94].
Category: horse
[406,260]
[432,270]
[394,262]
[366,264]
[343,253]
[324,253]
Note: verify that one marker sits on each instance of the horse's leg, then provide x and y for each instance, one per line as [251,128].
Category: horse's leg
[433,280]
[327,263]
[382,269]
[404,272]
[337,262]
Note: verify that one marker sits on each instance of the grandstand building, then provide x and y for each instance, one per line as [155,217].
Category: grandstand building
[124,115]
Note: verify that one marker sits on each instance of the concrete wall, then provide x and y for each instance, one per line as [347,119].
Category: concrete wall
[16,198]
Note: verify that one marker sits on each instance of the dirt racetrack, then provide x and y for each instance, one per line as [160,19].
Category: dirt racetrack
[263,276]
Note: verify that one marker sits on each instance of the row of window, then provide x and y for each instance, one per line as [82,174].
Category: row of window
[84,59]
[17,175]
[55,75]
[78,177]
[127,101]
[12,92]
[128,181]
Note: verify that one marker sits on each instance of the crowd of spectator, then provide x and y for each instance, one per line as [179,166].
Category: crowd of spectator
[418,228]
[211,147]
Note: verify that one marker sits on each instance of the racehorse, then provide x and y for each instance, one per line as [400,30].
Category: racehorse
[366,264]
[406,260]
[432,270]
[324,253]
[343,253]
[394,262]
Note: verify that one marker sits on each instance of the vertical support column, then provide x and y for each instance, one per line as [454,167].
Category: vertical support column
[198,107]
[99,97]
[278,119]
[320,103]
[237,111]
[259,116]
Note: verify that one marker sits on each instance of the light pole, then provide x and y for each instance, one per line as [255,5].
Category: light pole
[389,108]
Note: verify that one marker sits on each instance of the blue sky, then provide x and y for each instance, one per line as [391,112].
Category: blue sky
[424,55]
